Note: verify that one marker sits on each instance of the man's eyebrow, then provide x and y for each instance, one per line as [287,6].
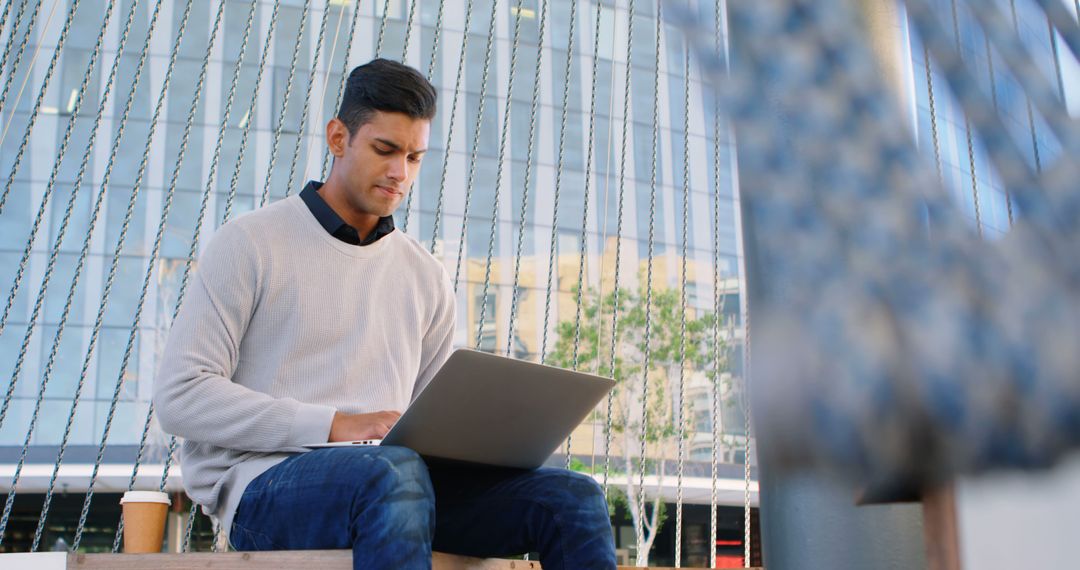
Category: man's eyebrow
[396,146]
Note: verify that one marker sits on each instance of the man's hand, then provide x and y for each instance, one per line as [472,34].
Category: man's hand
[351,427]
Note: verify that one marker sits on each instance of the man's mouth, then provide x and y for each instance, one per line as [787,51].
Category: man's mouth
[389,191]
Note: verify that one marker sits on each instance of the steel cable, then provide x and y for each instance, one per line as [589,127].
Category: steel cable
[552,254]
[499,173]
[1038,197]
[125,359]
[602,246]
[994,99]
[408,31]
[192,513]
[1012,58]
[430,72]
[721,352]
[382,27]
[933,113]
[66,311]
[747,442]
[49,187]
[22,89]
[714,392]
[229,99]
[582,243]
[11,31]
[125,226]
[249,116]
[191,252]
[528,172]
[34,113]
[54,253]
[20,50]
[341,85]
[325,84]
[301,135]
[967,130]
[476,142]
[643,557]
[450,130]
[680,400]
[619,222]
[555,205]
[285,105]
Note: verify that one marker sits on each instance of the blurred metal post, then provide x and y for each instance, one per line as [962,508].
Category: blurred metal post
[808,520]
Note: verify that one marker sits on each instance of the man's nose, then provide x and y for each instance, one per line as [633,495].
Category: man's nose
[398,169]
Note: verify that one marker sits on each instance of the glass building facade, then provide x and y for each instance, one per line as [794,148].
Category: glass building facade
[539,157]
[492,179]
[949,141]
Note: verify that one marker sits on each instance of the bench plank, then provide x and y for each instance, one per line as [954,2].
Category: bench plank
[281,560]
[276,560]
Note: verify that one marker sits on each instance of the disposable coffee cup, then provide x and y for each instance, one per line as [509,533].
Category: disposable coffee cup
[144,520]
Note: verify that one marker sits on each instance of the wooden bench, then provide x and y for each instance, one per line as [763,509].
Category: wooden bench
[280,560]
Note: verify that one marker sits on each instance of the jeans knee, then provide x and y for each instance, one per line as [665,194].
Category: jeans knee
[404,464]
[577,486]
[583,484]
[386,488]
[568,489]
[578,527]
[392,507]
[378,475]
[402,458]
[399,474]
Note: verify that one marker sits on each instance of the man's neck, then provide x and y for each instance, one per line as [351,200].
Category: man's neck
[364,223]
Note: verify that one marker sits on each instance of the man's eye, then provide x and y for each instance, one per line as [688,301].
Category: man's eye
[383,152]
[414,159]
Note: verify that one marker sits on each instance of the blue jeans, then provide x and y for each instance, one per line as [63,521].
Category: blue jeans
[381,502]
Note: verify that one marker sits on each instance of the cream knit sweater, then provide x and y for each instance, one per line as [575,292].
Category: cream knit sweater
[282,326]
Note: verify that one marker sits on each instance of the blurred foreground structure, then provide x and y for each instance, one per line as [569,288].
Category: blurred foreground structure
[912,292]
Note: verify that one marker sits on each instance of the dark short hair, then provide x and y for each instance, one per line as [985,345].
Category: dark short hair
[385,85]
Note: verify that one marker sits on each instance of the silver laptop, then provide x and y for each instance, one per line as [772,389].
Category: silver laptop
[483,408]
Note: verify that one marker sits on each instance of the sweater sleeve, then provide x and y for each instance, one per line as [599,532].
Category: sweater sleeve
[438,342]
[194,393]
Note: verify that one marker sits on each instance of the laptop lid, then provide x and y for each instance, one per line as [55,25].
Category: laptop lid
[489,409]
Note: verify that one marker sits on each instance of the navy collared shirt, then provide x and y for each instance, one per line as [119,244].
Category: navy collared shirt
[336,226]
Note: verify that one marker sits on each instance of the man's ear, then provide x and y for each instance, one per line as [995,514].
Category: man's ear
[337,136]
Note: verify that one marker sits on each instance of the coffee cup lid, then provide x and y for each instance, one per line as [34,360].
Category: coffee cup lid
[145,497]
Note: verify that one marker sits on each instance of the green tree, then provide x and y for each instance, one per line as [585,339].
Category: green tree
[664,422]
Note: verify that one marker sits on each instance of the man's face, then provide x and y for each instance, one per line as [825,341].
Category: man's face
[376,166]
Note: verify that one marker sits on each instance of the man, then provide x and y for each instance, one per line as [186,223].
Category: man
[313,320]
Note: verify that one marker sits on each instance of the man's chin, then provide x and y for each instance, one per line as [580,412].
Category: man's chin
[386,212]
[390,209]
[383,207]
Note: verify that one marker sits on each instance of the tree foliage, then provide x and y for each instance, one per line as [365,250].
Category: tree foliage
[586,344]
[590,341]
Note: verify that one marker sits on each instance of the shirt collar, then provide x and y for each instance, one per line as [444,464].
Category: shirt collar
[337,227]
